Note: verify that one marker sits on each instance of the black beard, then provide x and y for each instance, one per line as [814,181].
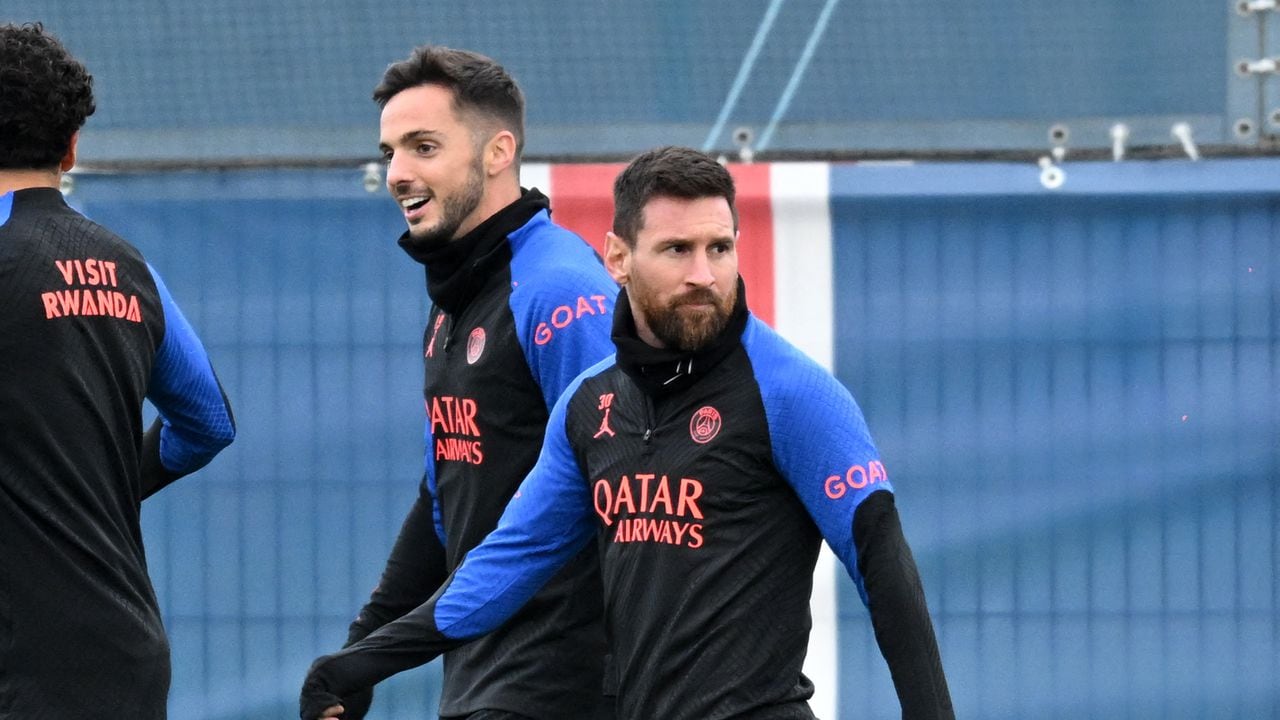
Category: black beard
[453,211]
[688,333]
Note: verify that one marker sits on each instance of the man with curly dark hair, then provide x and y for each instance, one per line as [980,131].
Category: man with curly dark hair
[87,331]
[46,99]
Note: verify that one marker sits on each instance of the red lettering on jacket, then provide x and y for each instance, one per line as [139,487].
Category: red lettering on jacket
[606,404]
[640,517]
[856,477]
[435,330]
[459,450]
[666,532]
[89,271]
[690,491]
[564,315]
[82,302]
[453,415]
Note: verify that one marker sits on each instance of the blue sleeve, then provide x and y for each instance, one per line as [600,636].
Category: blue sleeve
[429,482]
[819,438]
[546,524]
[196,417]
[563,314]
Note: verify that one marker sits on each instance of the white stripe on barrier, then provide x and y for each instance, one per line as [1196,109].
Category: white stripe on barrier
[802,261]
[536,175]
[803,308]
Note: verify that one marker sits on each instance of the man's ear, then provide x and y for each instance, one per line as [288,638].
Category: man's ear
[69,160]
[499,152]
[617,258]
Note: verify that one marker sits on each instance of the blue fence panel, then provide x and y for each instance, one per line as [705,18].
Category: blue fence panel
[1078,398]
[313,318]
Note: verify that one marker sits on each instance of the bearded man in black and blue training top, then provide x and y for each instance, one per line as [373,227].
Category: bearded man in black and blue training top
[87,331]
[520,306]
[710,458]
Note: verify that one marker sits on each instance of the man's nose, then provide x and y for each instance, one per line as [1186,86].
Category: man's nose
[700,271]
[397,172]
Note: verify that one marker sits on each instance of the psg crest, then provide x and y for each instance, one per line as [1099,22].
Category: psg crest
[475,345]
[705,424]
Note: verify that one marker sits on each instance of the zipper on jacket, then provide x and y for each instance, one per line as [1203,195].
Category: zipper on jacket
[648,418]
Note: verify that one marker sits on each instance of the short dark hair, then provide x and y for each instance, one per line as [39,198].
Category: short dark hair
[45,97]
[480,85]
[673,172]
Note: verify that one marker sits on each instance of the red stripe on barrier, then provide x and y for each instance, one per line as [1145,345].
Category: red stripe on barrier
[755,237]
[582,200]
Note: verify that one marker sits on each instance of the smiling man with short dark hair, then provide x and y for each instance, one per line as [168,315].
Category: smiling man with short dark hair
[520,306]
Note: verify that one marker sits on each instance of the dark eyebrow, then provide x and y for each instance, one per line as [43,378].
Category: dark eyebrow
[416,133]
[407,137]
[672,241]
[680,240]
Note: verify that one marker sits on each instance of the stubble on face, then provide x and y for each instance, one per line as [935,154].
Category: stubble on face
[454,208]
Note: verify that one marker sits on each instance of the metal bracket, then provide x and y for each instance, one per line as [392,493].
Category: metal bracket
[1261,66]
[1182,133]
[1248,7]
[1051,176]
[1252,63]
[1119,138]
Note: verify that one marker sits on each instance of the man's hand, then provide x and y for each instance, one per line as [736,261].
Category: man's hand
[346,678]
[316,702]
[356,704]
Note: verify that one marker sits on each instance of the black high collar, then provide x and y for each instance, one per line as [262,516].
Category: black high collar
[457,269]
[39,196]
[661,371]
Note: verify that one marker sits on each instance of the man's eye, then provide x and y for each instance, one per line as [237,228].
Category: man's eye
[425,148]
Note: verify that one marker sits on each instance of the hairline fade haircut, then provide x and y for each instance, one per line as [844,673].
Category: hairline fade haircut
[45,97]
[481,87]
[671,172]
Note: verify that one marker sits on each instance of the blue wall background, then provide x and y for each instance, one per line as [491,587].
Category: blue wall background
[1080,398]
[313,317]
[1075,392]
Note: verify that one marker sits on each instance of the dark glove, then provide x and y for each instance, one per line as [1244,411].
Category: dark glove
[405,643]
[356,705]
[316,698]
